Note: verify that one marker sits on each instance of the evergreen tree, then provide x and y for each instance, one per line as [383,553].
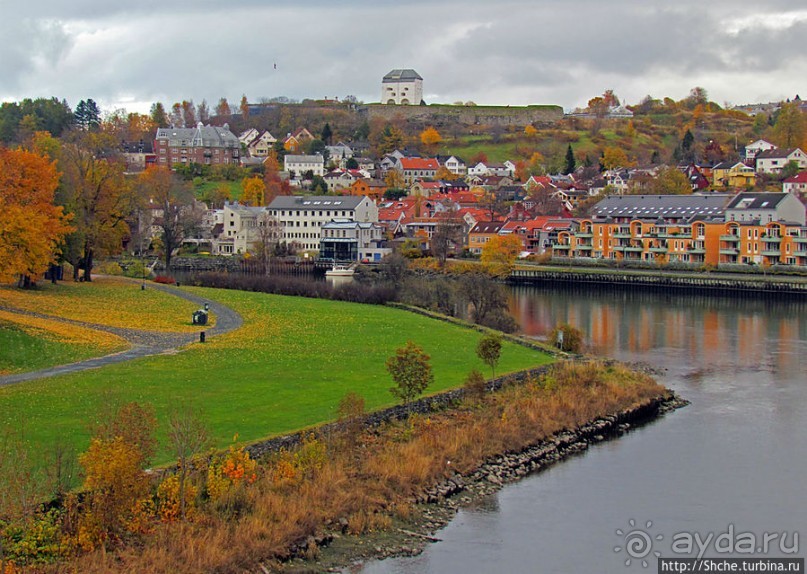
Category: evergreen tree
[158,115]
[327,134]
[570,162]
[688,154]
[87,115]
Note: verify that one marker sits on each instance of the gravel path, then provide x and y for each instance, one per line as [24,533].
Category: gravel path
[143,343]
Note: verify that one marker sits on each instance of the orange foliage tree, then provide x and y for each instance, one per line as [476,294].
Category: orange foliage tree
[31,226]
[430,138]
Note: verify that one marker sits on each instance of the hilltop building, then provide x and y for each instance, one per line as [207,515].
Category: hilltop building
[402,87]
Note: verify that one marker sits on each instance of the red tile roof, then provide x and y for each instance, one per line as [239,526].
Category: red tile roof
[419,163]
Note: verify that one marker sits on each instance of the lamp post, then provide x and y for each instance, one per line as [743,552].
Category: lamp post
[142,258]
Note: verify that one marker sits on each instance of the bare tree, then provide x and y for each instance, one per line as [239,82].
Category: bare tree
[188,436]
[447,236]
[268,237]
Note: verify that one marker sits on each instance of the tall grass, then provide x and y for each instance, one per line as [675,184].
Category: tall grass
[367,482]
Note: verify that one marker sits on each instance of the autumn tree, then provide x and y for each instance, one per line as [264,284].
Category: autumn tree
[188,436]
[430,138]
[670,181]
[96,192]
[502,250]
[479,157]
[789,129]
[530,132]
[174,209]
[445,174]
[275,185]
[115,483]
[386,139]
[253,191]
[223,108]
[614,157]
[21,489]
[188,113]
[31,226]
[411,372]
[243,106]
[489,349]
[394,179]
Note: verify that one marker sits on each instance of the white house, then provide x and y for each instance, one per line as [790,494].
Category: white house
[765,208]
[796,184]
[454,164]
[339,153]
[402,87]
[301,217]
[299,164]
[249,136]
[345,240]
[772,161]
[752,149]
[239,229]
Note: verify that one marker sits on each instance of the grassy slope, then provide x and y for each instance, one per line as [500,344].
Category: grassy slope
[287,368]
[28,349]
[108,301]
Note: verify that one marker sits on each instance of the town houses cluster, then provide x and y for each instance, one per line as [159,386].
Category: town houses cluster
[355,218]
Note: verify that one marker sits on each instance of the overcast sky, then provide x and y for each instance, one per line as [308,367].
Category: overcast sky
[512,52]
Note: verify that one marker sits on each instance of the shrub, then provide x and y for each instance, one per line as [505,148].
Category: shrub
[475,385]
[165,280]
[572,338]
[109,268]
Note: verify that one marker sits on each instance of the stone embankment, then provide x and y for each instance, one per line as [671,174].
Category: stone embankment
[663,281]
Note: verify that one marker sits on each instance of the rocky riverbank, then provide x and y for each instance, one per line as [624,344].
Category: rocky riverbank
[336,550]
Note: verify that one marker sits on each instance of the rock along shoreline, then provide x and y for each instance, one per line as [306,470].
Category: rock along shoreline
[336,551]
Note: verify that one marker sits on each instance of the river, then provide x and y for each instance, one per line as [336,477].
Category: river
[736,458]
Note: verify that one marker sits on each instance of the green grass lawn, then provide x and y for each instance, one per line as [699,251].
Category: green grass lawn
[285,369]
[26,351]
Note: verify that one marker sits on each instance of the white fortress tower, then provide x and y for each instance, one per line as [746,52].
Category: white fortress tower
[402,87]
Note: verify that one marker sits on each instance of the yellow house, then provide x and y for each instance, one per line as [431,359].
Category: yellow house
[733,175]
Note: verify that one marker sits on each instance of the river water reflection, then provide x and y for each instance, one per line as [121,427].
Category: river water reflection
[736,456]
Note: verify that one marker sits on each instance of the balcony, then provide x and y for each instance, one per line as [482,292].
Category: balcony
[584,234]
[585,247]
[696,250]
[634,249]
[800,238]
[658,249]
[621,235]
[771,252]
[561,246]
[730,252]
[730,237]
[771,239]
[800,253]
[618,248]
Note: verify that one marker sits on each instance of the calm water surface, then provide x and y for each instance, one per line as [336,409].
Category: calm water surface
[736,456]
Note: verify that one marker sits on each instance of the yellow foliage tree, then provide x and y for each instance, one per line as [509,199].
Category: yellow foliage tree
[501,250]
[253,191]
[445,174]
[614,157]
[430,138]
[530,131]
[31,226]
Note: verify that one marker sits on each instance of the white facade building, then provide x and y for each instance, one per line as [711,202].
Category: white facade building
[301,217]
[402,87]
[299,164]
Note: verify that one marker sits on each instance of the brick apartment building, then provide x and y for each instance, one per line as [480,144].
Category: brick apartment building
[205,145]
